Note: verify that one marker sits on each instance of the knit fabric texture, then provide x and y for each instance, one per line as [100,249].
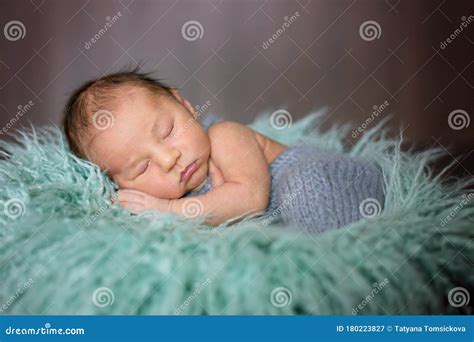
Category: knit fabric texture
[318,191]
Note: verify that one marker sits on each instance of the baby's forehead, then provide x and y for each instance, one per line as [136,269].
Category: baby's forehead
[111,150]
[114,131]
[127,94]
[127,105]
[133,98]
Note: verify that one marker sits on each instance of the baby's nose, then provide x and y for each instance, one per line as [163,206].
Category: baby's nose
[167,159]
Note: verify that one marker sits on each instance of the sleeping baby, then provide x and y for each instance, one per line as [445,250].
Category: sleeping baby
[148,139]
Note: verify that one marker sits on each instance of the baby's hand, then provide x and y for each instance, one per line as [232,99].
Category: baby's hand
[137,201]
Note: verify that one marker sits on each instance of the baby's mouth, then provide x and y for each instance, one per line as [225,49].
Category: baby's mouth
[188,171]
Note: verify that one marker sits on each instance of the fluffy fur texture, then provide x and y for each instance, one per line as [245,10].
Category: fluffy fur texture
[65,250]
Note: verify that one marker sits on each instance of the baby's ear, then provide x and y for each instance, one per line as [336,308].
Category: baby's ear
[183,101]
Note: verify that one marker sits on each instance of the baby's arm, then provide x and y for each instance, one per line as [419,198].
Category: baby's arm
[246,188]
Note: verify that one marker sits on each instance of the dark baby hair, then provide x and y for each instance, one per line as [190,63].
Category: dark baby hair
[97,95]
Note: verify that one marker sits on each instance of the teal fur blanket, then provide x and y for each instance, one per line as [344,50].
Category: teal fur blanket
[65,250]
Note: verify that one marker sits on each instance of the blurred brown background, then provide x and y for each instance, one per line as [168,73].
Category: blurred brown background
[413,61]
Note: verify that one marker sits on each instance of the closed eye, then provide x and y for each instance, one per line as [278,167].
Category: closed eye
[143,170]
[169,133]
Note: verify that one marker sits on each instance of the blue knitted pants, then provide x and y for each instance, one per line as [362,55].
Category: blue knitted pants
[316,191]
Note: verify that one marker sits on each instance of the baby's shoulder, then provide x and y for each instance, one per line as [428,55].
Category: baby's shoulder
[227,136]
[232,132]
[226,125]
[228,131]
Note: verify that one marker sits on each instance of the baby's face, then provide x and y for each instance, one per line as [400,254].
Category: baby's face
[152,140]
